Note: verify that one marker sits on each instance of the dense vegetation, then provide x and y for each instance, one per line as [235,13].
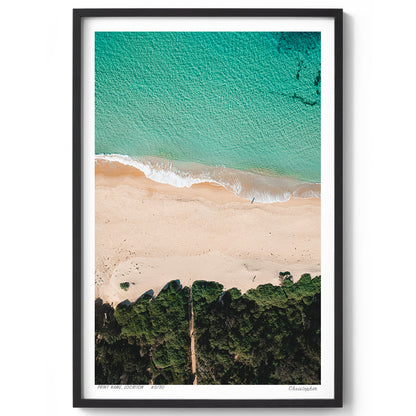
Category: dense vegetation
[270,335]
[147,341]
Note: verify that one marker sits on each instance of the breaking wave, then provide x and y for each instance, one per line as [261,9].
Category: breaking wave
[248,185]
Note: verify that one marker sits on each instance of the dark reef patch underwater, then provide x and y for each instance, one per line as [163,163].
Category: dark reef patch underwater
[242,100]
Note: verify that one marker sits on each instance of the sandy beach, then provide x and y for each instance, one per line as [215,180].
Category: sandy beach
[149,233]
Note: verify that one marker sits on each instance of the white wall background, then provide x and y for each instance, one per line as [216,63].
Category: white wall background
[35,230]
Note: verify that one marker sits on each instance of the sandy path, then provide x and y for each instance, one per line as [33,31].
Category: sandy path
[192,335]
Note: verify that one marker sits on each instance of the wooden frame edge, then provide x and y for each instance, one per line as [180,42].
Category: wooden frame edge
[78,401]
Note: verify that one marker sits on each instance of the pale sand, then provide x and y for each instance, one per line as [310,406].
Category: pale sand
[149,234]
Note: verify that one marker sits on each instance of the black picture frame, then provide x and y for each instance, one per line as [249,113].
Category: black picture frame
[78,15]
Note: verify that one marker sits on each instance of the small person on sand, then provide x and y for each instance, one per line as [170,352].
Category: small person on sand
[254,277]
[253,199]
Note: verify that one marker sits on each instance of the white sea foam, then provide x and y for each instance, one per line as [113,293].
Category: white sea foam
[248,185]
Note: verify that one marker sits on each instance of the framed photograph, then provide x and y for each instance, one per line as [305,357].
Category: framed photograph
[207,217]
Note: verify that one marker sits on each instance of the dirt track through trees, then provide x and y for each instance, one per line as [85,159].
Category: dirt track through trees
[192,335]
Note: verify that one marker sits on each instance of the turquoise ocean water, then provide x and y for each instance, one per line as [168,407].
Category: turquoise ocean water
[240,109]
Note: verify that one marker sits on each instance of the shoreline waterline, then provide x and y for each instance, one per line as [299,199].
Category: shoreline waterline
[247,185]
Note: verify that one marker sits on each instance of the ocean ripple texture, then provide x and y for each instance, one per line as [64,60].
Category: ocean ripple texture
[242,100]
